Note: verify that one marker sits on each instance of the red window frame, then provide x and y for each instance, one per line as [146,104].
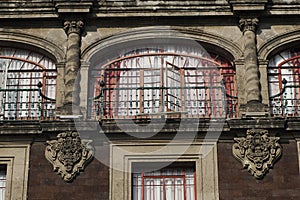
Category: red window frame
[154,183]
[284,83]
[214,69]
[20,97]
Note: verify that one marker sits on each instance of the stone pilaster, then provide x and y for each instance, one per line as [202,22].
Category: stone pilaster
[60,89]
[84,83]
[73,30]
[263,71]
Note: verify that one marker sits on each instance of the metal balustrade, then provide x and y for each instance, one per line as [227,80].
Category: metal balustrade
[25,104]
[173,83]
[172,102]
[284,83]
[286,102]
[27,80]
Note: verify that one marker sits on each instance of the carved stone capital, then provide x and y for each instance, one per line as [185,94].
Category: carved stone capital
[248,24]
[73,27]
[68,154]
[257,151]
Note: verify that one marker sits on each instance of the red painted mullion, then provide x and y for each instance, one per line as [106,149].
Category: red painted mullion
[143,186]
[184,185]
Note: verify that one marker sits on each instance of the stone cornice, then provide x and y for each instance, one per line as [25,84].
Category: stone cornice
[18,9]
[41,127]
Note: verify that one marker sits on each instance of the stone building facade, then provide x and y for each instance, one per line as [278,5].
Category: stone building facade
[135,99]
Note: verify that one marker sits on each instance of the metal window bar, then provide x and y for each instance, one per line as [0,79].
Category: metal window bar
[26,104]
[134,87]
[170,183]
[20,98]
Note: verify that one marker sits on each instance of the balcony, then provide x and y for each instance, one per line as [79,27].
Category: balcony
[25,104]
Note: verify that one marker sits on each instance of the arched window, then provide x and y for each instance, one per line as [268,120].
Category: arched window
[21,71]
[284,83]
[151,82]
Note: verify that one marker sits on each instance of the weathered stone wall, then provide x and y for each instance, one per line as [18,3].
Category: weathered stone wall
[44,183]
[39,25]
[282,182]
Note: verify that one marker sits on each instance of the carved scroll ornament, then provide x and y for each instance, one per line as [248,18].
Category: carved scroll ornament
[68,154]
[257,152]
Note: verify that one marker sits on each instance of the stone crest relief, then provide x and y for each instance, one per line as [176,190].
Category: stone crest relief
[257,152]
[68,154]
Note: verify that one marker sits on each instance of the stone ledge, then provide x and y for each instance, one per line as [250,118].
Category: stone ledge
[263,123]
[248,5]
[73,7]
[170,126]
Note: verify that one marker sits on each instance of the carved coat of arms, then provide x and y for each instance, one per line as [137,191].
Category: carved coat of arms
[257,151]
[68,154]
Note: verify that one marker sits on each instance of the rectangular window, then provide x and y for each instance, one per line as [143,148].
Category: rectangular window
[174,182]
[14,165]
[3,173]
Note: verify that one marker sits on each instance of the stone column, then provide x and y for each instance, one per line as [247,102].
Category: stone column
[73,30]
[252,84]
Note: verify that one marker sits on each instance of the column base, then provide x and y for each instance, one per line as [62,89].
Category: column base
[254,109]
[70,109]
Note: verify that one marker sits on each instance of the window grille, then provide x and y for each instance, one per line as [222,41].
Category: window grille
[2,181]
[284,83]
[152,82]
[20,97]
[176,183]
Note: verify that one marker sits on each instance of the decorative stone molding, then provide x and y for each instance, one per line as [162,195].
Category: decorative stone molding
[15,156]
[124,155]
[248,24]
[68,154]
[248,5]
[73,27]
[71,7]
[257,152]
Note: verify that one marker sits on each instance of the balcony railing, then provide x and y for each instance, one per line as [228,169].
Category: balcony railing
[171,102]
[26,104]
[287,101]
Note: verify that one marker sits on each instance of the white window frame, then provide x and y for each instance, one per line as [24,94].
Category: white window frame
[123,156]
[16,157]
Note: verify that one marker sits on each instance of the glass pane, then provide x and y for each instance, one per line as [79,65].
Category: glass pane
[156,82]
[2,181]
[284,83]
[20,73]
[166,184]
